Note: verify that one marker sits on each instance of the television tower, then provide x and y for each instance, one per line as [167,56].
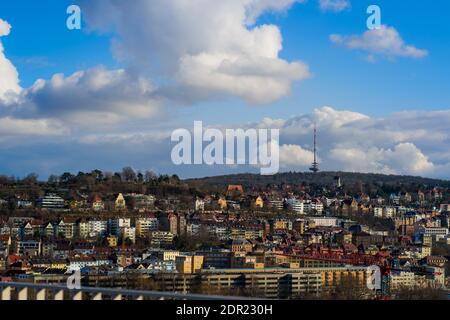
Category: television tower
[315,165]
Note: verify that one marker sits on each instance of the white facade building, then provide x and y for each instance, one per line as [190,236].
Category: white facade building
[296,205]
[129,233]
[325,221]
[115,226]
[97,228]
[199,205]
[51,201]
[378,212]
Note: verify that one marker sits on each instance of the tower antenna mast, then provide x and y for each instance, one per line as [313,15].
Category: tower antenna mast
[315,166]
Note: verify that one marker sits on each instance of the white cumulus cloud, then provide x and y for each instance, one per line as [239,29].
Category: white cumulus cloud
[385,42]
[204,48]
[404,158]
[409,142]
[98,94]
[9,77]
[10,127]
[89,98]
[294,156]
[256,7]
[334,5]
[5,28]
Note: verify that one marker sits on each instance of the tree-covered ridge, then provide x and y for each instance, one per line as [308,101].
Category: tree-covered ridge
[351,182]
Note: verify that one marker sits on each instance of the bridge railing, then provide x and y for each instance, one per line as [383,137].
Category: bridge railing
[30,291]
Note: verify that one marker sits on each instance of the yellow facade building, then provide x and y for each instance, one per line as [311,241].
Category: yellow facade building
[259,203]
[189,264]
[222,202]
[112,241]
[120,203]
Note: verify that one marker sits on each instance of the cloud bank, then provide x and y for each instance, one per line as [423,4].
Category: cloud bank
[413,143]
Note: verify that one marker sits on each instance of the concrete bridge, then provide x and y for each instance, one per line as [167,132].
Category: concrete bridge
[30,291]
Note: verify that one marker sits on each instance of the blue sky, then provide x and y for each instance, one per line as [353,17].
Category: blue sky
[40,46]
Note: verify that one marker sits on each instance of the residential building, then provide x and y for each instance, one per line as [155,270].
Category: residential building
[98,204]
[119,203]
[145,225]
[51,202]
[189,264]
[97,228]
[161,238]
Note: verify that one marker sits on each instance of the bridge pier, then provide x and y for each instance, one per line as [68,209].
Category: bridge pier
[98,296]
[6,293]
[78,296]
[41,295]
[59,295]
[23,294]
